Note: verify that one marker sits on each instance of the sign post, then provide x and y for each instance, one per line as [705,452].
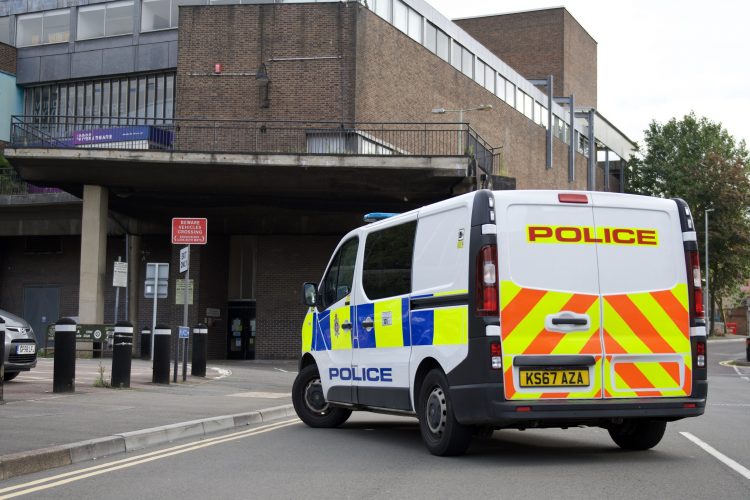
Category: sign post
[186,231]
[156,286]
[119,280]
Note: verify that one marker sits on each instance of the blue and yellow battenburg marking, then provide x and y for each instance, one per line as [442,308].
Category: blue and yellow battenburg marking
[391,325]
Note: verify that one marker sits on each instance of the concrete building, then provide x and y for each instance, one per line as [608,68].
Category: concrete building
[282,123]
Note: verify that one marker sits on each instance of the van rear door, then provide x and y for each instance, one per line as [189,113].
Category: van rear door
[549,296]
[643,281]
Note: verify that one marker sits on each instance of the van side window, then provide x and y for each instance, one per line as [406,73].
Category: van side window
[388,261]
[337,283]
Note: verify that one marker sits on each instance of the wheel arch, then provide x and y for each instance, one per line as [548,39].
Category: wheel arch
[306,360]
[425,366]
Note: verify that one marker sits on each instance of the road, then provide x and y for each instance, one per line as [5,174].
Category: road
[375,456]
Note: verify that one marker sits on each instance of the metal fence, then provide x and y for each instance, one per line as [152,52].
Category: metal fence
[256,137]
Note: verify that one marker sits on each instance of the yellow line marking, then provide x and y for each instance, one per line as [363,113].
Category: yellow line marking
[69,477]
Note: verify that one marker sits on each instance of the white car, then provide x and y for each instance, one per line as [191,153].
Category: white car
[20,345]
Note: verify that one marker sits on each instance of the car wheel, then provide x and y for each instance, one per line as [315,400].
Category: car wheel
[310,403]
[440,430]
[638,434]
[10,376]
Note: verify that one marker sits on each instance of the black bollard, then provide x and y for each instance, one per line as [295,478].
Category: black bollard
[747,349]
[2,358]
[200,346]
[64,369]
[145,343]
[121,354]
[162,348]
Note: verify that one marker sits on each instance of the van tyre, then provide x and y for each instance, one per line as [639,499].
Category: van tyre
[310,403]
[10,376]
[440,430]
[638,434]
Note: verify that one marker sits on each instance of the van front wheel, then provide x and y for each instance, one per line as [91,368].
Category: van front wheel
[310,402]
[440,430]
[638,434]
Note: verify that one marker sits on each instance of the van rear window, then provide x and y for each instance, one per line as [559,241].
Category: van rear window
[388,261]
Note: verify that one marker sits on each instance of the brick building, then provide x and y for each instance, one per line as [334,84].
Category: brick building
[280,122]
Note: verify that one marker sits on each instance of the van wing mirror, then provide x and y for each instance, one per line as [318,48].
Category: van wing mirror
[309,293]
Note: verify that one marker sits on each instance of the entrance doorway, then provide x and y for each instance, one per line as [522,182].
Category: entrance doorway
[41,307]
[241,329]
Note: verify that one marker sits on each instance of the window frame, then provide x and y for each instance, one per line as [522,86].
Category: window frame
[371,294]
[173,12]
[322,300]
[41,15]
[105,7]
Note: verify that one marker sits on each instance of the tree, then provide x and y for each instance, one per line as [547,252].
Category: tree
[699,161]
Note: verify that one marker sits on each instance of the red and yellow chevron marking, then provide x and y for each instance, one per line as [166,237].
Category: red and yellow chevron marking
[647,344]
[524,311]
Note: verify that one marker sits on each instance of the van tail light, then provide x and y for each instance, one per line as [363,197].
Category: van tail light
[700,353]
[496,356]
[487,292]
[694,283]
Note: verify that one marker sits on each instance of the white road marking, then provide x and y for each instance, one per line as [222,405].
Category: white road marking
[735,466]
[736,369]
[264,395]
[281,370]
[741,405]
[77,475]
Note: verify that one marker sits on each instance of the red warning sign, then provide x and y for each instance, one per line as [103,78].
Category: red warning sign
[189,231]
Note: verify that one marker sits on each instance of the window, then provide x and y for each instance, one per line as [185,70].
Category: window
[467,62]
[528,106]
[158,15]
[52,26]
[544,115]
[479,72]
[443,46]
[519,99]
[401,15]
[338,280]
[489,79]
[456,55]
[510,93]
[430,37]
[383,9]
[388,261]
[104,101]
[415,25]
[501,87]
[108,19]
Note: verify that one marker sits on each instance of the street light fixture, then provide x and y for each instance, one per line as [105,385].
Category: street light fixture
[708,300]
[442,111]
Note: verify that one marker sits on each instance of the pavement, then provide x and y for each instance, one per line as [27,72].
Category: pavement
[42,430]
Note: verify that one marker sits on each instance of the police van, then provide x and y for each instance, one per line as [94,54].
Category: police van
[511,309]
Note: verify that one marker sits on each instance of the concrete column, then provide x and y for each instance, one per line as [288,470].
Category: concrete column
[93,254]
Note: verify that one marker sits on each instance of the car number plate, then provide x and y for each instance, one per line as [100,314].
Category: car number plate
[578,377]
[26,349]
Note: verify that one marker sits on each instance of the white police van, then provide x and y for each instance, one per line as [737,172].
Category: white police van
[511,309]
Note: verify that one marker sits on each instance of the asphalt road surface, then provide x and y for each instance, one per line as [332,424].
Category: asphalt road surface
[375,456]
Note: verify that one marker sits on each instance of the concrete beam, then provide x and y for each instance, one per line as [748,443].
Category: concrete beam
[93,254]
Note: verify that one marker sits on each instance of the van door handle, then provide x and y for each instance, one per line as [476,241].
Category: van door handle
[346,325]
[570,321]
[368,323]
[567,322]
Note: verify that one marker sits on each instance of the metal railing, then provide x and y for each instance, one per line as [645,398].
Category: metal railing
[256,137]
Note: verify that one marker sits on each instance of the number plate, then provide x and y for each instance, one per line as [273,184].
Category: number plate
[578,377]
[26,349]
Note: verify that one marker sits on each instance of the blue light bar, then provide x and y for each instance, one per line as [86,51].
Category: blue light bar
[376,216]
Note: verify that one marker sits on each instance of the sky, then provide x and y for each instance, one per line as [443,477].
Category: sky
[657,59]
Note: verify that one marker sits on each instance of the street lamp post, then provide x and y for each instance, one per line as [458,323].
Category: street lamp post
[442,111]
[707,299]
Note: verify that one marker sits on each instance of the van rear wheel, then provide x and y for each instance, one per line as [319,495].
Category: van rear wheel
[310,402]
[638,434]
[10,376]
[440,430]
